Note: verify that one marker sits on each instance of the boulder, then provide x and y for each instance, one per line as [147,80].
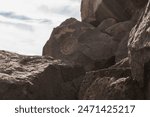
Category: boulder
[120,32]
[139,50]
[97,45]
[81,44]
[36,77]
[106,24]
[124,63]
[63,43]
[95,11]
[110,84]
[122,50]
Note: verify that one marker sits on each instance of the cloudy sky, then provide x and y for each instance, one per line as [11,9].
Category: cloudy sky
[25,25]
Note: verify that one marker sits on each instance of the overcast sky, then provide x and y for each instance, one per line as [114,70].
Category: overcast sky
[26,25]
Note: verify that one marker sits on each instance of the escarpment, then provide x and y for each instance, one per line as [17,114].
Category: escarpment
[106,55]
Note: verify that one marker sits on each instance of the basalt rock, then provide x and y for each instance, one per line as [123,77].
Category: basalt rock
[95,11]
[81,44]
[112,83]
[139,51]
[120,32]
[36,77]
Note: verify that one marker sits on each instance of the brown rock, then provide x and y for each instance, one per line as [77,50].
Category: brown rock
[35,77]
[139,50]
[122,50]
[106,24]
[97,45]
[120,30]
[124,63]
[95,11]
[63,43]
[112,83]
[110,88]
[82,45]
[139,3]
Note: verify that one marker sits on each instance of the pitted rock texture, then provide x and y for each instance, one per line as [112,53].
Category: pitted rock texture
[110,84]
[35,77]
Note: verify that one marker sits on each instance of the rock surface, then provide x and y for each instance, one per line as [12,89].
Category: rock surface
[97,45]
[95,11]
[139,50]
[35,77]
[81,44]
[112,83]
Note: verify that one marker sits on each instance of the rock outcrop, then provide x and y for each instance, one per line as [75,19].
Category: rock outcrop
[80,43]
[95,11]
[112,83]
[139,50]
[104,56]
[35,77]
[102,49]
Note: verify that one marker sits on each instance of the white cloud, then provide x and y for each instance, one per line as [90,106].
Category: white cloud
[25,25]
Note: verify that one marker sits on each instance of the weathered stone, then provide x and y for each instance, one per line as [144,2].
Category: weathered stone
[90,77]
[84,46]
[106,24]
[63,43]
[35,77]
[95,11]
[139,49]
[139,3]
[120,30]
[122,50]
[124,63]
[110,88]
[97,45]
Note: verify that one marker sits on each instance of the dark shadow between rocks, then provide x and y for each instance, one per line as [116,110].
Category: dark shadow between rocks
[147,80]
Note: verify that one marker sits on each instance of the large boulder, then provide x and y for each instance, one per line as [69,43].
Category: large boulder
[63,43]
[120,32]
[35,77]
[81,43]
[106,24]
[139,51]
[112,83]
[95,11]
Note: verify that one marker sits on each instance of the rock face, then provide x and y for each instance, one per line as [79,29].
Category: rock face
[64,43]
[139,51]
[95,11]
[112,84]
[104,56]
[35,77]
[81,44]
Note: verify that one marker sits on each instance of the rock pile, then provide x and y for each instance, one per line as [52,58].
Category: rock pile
[104,56]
